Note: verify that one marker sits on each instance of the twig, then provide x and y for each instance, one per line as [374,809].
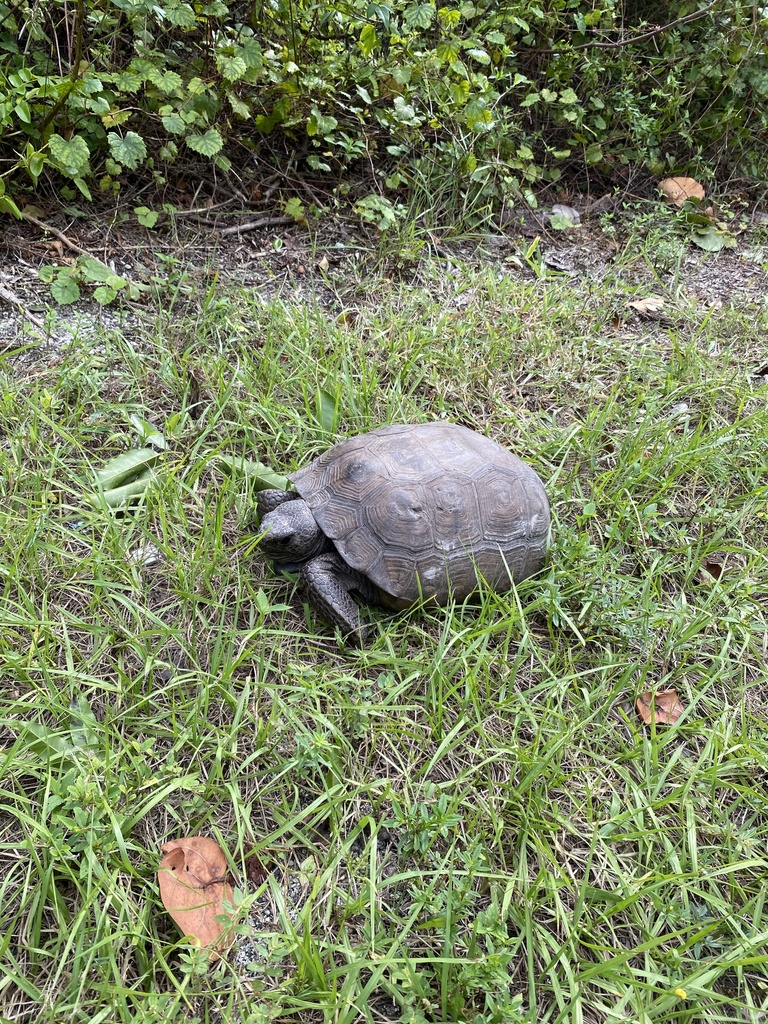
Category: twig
[11,296]
[657,30]
[200,211]
[254,225]
[59,234]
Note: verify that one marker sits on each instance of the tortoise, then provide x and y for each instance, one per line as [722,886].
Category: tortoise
[406,513]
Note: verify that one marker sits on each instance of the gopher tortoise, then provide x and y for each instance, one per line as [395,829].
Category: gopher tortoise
[406,513]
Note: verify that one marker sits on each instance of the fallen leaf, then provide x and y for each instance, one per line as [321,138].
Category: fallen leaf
[255,871]
[193,886]
[650,304]
[663,708]
[677,190]
[712,567]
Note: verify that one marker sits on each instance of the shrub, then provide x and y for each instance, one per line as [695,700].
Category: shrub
[499,96]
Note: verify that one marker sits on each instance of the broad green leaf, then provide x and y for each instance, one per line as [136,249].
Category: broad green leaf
[116,497]
[45,273]
[123,468]
[459,92]
[314,161]
[115,118]
[207,144]
[450,18]
[129,150]
[709,239]
[7,205]
[70,156]
[136,290]
[594,154]
[168,82]
[145,216]
[174,123]
[84,729]
[419,15]
[326,410]
[295,208]
[82,187]
[251,52]
[260,475]
[239,107]
[447,51]
[98,105]
[181,15]
[44,742]
[368,40]
[321,124]
[128,81]
[93,270]
[147,431]
[568,96]
[231,67]
[104,295]
[64,289]
[404,112]
[479,55]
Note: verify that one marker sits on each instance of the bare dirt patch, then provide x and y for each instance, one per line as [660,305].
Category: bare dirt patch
[338,264]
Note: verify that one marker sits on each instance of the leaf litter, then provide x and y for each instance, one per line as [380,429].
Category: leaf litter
[194,887]
[679,190]
[660,708]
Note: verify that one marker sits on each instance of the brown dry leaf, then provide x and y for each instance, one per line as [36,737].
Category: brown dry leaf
[677,190]
[650,304]
[663,708]
[712,567]
[193,885]
[255,871]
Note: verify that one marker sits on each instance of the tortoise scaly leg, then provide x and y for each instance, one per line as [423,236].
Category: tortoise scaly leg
[328,582]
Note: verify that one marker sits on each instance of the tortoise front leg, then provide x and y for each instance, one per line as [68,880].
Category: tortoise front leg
[328,582]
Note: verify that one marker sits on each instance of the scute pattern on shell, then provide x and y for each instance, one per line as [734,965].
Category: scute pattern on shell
[422,509]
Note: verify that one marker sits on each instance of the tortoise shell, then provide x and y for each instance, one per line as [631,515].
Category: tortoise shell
[424,509]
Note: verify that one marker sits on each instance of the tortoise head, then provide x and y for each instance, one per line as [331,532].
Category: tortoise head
[291,535]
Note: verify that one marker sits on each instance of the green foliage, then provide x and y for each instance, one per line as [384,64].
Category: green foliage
[65,281]
[500,95]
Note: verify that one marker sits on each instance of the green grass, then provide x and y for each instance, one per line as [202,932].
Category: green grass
[480,828]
